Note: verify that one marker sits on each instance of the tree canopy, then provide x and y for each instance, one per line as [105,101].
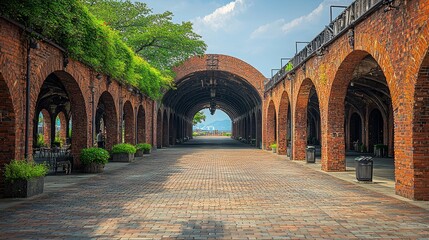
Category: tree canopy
[154,37]
[133,46]
[199,118]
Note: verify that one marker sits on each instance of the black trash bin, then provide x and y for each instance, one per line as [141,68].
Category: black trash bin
[310,154]
[364,168]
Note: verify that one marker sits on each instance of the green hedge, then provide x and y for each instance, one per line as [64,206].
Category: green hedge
[21,169]
[123,148]
[94,155]
[144,146]
[87,39]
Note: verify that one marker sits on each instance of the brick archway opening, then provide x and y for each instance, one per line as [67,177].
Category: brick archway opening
[106,120]
[283,123]
[128,123]
[215,82]
[420,134]
[7,128]
[42,130]
[141,125]
[271,125]
[360,87]
[62,133]
[307,120]
[61,93]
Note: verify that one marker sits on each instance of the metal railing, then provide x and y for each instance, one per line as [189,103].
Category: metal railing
[353,14]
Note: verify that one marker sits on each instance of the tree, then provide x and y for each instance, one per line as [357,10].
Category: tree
[199,118]
[154,37]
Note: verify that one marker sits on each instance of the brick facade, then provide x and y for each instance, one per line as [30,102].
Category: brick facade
[398,41]
[77,79]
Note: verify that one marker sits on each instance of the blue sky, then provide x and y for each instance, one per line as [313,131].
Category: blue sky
[259,32]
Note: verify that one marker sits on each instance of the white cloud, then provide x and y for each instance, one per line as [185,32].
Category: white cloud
[281,27]
[220,17]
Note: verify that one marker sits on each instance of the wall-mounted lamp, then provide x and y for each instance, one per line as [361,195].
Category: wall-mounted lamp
[99,76]
[108,80]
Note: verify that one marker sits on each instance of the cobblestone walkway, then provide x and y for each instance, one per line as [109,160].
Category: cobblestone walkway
[218,192]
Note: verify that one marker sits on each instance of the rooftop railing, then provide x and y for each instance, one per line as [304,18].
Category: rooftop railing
[352,15]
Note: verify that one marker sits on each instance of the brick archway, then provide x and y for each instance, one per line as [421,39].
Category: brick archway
[216,81]
[224,63]
[141,125]
[283,119]
[79,139]
[271,125]
[300,126]
[420,133]
[128,123]
[333,159]
[107,110]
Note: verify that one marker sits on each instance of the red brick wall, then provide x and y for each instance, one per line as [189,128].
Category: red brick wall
[282,123]
[398,41]
[78,80]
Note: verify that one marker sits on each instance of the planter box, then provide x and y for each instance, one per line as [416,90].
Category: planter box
[24,188]
[122,157]
[93,168]
[146,151]
[139,153]
[274,150]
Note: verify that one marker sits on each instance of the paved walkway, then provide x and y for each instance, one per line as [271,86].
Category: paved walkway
[204,191]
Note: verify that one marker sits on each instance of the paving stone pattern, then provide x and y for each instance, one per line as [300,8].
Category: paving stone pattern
[200,191]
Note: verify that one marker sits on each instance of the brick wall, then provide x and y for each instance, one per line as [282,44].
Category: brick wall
[398,41]
[77,79]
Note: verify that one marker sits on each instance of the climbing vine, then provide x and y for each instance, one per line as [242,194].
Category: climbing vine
[89,40]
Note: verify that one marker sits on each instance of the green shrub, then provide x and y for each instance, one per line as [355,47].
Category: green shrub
[94,155]
[88,40]
[40,141]
[123,148]
[274,145]
[144,146]
[21,169]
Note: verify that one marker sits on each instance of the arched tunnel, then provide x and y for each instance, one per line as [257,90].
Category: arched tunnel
[214,82]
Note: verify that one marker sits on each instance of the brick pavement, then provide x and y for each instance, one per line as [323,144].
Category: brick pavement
[218,192]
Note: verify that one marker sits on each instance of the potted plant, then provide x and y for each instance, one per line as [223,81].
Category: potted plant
[24,178]
[123,152]
[146,148]
[93,159]
[139,150]
[274,147]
